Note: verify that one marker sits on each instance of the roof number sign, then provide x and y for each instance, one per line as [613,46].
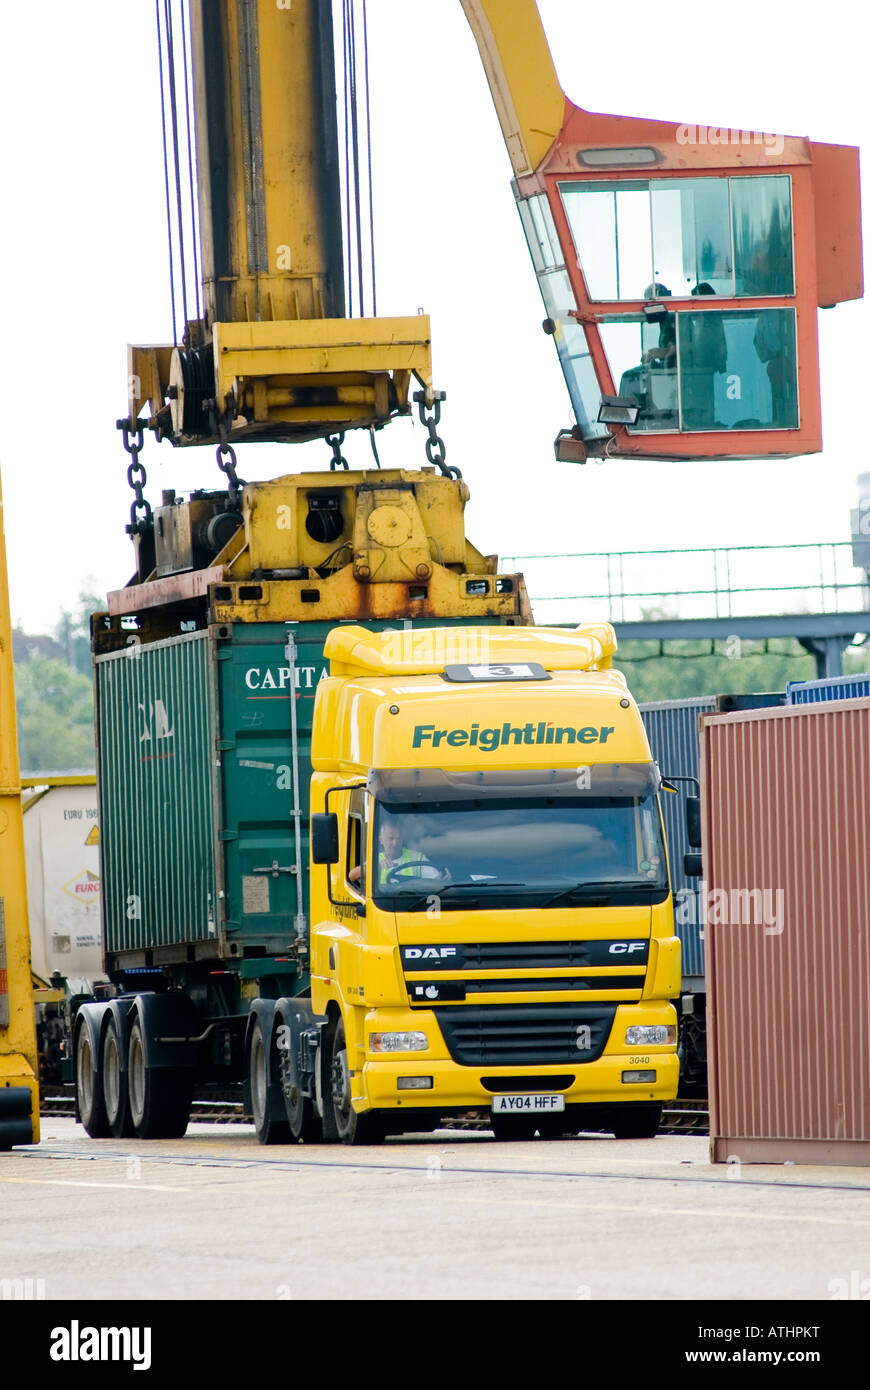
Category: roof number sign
[505,671]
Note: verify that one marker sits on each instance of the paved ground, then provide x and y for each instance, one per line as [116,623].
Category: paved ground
[448,1216]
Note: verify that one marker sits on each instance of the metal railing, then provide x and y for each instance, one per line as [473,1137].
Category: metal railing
[714,582]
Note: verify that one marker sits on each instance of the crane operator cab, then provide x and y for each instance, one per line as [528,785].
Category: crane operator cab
[681,269]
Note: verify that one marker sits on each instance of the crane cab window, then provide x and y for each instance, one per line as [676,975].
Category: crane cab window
[710,370]
[560,304]
[656,238]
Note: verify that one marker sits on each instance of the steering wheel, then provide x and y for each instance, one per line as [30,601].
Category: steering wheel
[393,874]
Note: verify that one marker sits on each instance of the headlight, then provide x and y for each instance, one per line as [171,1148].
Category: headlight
[398,1042]
[650,1035]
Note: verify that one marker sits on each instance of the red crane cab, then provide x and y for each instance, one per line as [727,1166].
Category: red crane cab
[681,268]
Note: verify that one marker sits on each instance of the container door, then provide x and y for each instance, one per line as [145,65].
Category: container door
[262,669]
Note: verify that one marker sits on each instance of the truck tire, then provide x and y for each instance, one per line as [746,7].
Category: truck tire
[159,1096]
[513,1126]
[89,1088]
[304,1124]
[115,1097]
[269,1130]
[636,1122]
[352,1128]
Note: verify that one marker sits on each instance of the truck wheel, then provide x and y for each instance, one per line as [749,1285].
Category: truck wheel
[513,1126]
[641,1122]
[269,1130]
[159,1096]
[304,1123]
[89,1089]
[115,1097]
[352,1128]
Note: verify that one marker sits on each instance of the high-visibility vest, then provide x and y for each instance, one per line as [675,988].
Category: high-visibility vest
[406,857]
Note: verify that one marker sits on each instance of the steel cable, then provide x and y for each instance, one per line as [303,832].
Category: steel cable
[166,175]
[173,103]
[190,168]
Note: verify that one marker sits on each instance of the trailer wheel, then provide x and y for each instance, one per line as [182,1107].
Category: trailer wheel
[115,1096]
[352,1128]
[159,1096]
[269,1130]
[89,1088]
[641,1122]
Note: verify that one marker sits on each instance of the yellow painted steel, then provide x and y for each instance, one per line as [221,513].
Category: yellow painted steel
[522,79]
[340,596]
[383,686]
[267,218]
[18,1057]
[278,534]
[397,549]
[321,372]
[270,223]
[73,779]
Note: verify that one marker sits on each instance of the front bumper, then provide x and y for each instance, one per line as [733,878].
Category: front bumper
[456,1087]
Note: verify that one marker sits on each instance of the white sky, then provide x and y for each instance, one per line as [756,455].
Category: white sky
[83,246]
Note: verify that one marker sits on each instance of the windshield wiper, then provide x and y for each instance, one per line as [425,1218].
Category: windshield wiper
[449,887]
[601,889]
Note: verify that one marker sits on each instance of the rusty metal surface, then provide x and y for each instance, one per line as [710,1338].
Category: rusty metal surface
[786,801]
[175,588]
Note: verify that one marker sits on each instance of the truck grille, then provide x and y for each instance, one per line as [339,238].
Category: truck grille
[428,991]
[526,1034]
[534,955]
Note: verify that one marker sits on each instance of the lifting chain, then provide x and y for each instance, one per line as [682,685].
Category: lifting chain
[338,459]
[134,439]
[436,450]
[225,453]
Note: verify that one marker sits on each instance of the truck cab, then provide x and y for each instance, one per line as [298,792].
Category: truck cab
[491,916]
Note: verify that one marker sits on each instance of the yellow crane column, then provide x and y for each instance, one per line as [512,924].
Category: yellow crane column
[19,1070]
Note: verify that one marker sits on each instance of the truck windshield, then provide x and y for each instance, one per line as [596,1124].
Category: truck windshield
[530,851]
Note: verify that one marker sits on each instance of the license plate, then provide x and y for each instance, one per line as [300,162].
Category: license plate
[526,1105]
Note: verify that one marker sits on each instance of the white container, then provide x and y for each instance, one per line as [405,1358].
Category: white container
[62,850]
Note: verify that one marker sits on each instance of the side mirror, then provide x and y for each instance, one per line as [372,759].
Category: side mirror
[692,865]
[324,837]
[693,821]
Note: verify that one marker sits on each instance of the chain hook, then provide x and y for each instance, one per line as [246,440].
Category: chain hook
[225,453]
[436,449]
[133,437]
[338,460]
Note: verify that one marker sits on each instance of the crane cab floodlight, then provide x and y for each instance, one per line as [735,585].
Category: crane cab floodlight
[681,268]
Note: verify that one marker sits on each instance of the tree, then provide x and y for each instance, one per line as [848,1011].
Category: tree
[55,717]
[681,670]
[73,631]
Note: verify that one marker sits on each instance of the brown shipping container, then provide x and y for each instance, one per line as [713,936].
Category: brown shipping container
[786,797]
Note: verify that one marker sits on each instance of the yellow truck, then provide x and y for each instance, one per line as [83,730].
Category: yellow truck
[491,918]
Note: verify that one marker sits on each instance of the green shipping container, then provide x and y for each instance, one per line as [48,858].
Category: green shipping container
[197,777]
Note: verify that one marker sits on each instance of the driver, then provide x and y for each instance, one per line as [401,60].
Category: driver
[393,853]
